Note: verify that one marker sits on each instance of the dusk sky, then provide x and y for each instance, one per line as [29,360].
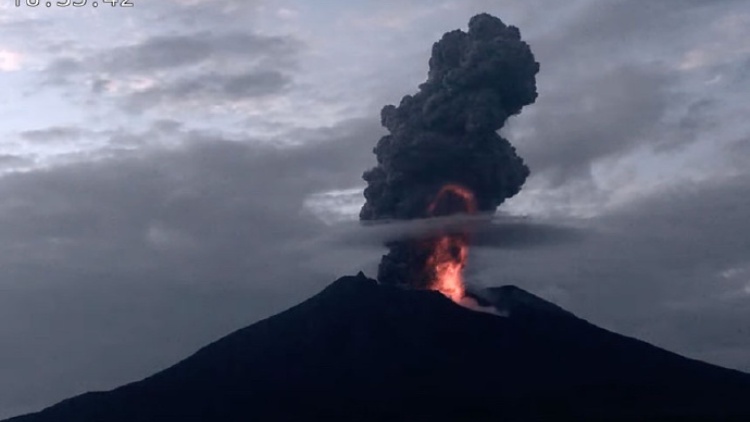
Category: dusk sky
[177,170]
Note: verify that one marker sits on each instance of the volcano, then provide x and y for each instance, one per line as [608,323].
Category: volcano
[360,350]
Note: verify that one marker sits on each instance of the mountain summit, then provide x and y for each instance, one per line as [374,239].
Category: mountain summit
[363,351]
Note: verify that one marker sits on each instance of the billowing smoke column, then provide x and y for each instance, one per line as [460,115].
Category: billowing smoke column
[443,155]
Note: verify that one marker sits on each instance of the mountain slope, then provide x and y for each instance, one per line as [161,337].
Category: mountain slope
[359,350]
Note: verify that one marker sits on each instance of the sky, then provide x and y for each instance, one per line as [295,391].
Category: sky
[176,170]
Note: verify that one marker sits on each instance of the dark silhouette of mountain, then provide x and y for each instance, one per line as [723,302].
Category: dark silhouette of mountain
[512,301]
[363,351]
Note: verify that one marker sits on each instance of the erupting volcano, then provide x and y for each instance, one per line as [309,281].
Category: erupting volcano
[449,251]
[363,350]
[443,155]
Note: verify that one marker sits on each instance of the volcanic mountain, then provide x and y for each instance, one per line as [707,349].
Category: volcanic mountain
[360,350]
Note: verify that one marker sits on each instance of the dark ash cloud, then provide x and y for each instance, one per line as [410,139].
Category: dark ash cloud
[446,132]
[446,135]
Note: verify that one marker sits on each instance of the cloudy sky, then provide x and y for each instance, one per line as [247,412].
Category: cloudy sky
[176,170]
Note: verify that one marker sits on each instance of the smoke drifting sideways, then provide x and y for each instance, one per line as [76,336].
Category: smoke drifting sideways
[446,134]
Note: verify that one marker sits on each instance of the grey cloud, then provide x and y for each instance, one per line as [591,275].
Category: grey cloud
[210,87]
[743,73]
[59,71]
[700,116]
[165,52]
[10,161]
[609,83]
[159,52]
[208,13]
[255,84]
[591,117]
[741,147]
[54,133]
[738,153]
[485,231]
[622,25]
[168,52]
[650,269]
[525,234]
[116,268]
[199,66]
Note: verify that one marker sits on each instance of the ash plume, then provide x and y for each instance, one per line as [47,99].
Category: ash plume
[446,134]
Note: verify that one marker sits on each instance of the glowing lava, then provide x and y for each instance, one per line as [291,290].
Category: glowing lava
[447,262]
[449,252]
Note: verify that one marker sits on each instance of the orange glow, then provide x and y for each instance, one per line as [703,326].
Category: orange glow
[450,251]
[448,260]
[467,203]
